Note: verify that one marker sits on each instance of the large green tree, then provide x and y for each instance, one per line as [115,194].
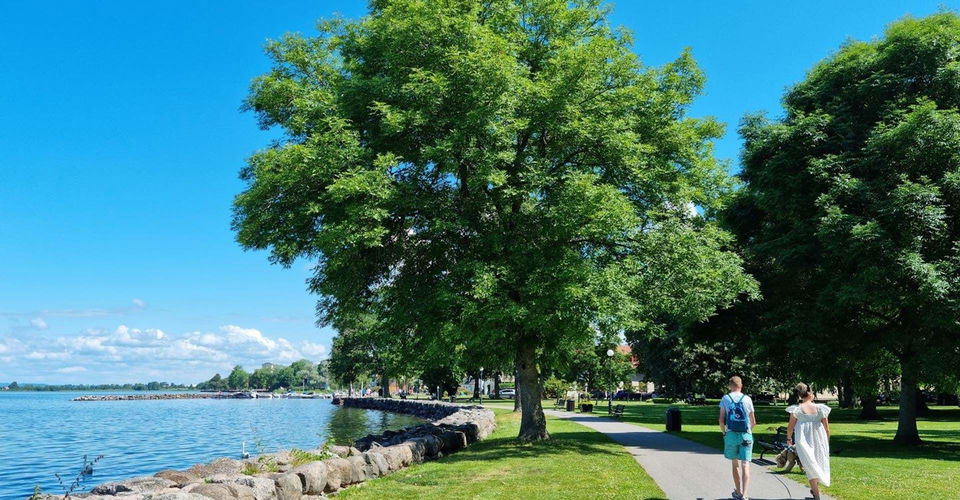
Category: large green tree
[504,170]
[851,213]
[365,346]
[238,378]
[263,377]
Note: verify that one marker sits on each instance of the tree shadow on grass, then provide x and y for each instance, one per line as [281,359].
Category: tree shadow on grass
[581,443]
[857,445]
[666,441]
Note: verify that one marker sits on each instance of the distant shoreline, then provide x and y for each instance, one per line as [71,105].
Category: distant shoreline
[81,388]
[197,395]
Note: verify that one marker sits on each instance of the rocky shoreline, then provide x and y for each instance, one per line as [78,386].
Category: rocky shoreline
[306,474]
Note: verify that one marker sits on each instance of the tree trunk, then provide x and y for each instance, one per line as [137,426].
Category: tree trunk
[845,389]
[907,433]
[922,409]
[533,425]
[496,384]
[476,386]
[868,409]
[516,387]
[384,386]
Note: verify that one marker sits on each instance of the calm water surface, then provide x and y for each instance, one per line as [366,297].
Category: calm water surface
[42,433]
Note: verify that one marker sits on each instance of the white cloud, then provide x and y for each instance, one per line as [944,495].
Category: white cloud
[313,350]
[139,303]
[128,354]
[134,336]
[240,335]
[48,355]
[38,323]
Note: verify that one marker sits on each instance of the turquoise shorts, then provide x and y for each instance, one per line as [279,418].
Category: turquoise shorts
[733,445]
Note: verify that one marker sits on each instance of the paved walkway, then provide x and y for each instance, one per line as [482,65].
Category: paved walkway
[684,469]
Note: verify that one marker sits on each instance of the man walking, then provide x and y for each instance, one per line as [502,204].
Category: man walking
[736,423]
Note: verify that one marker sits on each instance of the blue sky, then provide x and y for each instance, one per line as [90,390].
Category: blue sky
[121,140]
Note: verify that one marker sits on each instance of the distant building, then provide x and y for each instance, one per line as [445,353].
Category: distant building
[637,381]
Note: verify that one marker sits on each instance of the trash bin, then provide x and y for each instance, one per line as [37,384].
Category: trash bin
[570,404]
[673,419]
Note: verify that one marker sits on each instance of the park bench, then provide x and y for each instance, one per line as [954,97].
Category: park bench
[776,445]
[617,411]
[696,401]
[764,398]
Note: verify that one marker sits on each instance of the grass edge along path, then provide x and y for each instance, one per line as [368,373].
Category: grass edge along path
[865,462]
[577,462]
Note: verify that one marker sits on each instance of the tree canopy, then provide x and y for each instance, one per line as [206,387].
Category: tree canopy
[850,217]
[503,174]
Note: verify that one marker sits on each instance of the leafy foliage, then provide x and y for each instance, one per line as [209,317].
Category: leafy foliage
[445,377]
[503,173]
[850,217]
[238,379]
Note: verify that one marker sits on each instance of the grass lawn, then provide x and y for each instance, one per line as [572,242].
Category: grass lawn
[576,462]
[865,464]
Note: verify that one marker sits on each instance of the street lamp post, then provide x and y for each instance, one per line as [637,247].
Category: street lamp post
[609,391]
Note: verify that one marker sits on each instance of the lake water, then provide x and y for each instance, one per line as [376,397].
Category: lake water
[42,433]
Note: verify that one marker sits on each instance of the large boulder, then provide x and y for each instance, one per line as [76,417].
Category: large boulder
[314,477]
[418,449]
[282,457]
[345,468]
[289,486]
[87,496]
[263,487]
[358,469]
[334,478]
[393,457]
[219,466]
[453,441]
[344,451]
[169,494]
[181,478]
[223,491]
[376,465]
[136,485]
[404,452]
[431,445]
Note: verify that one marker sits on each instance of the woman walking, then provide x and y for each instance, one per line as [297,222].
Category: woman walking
[809,434]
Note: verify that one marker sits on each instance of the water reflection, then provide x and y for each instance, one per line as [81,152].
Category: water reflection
[346,425]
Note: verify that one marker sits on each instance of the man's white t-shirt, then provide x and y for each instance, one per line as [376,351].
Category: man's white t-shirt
[727,401]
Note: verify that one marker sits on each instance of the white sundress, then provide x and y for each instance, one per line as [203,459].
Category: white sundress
[811,443]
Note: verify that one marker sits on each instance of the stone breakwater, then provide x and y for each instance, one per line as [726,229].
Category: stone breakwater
[140,397]
[309,474]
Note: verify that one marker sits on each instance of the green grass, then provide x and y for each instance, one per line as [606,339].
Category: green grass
[865,464]
[576,462]
[300,457]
